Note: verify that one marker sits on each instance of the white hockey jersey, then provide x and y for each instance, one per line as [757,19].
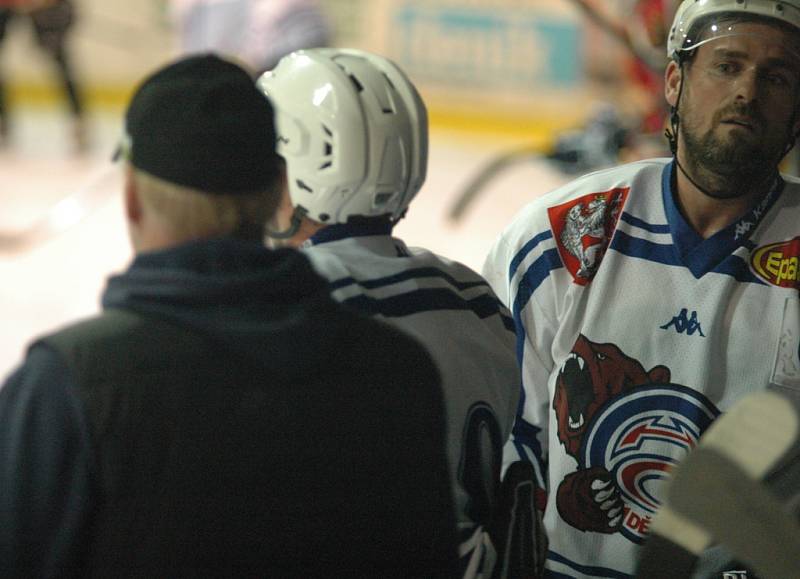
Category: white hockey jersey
[453,312]
[634,333]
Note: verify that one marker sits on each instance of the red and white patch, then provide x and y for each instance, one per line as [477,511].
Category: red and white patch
[778,263]
[583,228]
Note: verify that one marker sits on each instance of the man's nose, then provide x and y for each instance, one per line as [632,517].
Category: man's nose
[747,85]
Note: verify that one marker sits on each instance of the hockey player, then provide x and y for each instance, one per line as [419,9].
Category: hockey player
[352,130]
[650,297]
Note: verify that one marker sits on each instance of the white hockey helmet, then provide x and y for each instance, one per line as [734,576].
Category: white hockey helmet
[685,34]
[353,131]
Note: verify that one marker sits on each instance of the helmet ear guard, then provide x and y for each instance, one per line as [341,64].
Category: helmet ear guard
[353,131]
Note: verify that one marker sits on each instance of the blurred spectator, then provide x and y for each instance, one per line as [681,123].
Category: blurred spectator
[52,21]
[258,32]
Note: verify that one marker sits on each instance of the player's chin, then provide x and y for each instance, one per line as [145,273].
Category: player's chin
[738,151]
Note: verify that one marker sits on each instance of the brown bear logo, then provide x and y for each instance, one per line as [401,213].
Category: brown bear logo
[593,374]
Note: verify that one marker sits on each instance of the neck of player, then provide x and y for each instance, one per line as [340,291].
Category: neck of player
[709,202]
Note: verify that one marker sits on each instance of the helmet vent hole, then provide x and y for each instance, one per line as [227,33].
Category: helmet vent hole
[382,198]
[327,131]
[303,186]
[358,85]
[325,165]
[328,149]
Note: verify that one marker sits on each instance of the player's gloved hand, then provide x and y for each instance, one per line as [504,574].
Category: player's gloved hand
[517,530]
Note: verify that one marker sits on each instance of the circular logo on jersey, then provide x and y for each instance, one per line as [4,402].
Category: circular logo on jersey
[638,437]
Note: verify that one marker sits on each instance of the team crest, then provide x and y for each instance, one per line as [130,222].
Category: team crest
[626,427]
[778,263]
[582,229]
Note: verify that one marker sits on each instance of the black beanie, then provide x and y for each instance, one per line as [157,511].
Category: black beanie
[201,122]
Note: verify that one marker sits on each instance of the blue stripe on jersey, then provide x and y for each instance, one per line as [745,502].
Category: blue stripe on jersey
[550,574]
[525,437]
[527,434]
[586,570]
[338,231]
[644,249]
[641,224]
[526,249]
[733,265]
[429,300]
[737,268]
[422,272]
[530,282]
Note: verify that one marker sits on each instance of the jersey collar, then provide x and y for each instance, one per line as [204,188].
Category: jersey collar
[339,231]
[703,255]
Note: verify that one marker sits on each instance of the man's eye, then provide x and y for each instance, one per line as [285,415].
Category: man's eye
[724,67]
[776,79]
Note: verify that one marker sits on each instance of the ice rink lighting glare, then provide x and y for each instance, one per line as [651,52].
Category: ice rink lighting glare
[67,213]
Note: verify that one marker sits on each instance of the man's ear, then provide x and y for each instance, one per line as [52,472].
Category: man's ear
[673,77]
[133,205]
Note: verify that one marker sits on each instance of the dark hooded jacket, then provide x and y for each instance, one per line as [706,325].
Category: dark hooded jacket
[224,417]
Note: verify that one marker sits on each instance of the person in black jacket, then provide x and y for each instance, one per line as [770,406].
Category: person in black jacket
[222,416]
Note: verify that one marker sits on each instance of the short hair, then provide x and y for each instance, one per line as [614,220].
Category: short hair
[192,214]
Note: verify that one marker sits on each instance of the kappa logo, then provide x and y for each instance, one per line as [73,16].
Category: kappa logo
[744,226]
[583,228]
[778,263]
[685,323]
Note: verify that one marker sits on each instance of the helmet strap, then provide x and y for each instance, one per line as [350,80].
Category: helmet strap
[793,136]
[297,219]
[671,133]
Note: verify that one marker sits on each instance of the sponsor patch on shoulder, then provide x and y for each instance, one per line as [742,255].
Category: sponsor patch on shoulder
[777,263]
[583,228]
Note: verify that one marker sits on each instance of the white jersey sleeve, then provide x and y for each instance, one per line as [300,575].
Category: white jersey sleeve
[516,271]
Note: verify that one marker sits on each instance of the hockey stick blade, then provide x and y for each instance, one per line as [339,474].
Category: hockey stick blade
[739,512]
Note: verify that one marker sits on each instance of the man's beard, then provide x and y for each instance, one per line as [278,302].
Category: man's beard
[732,166]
